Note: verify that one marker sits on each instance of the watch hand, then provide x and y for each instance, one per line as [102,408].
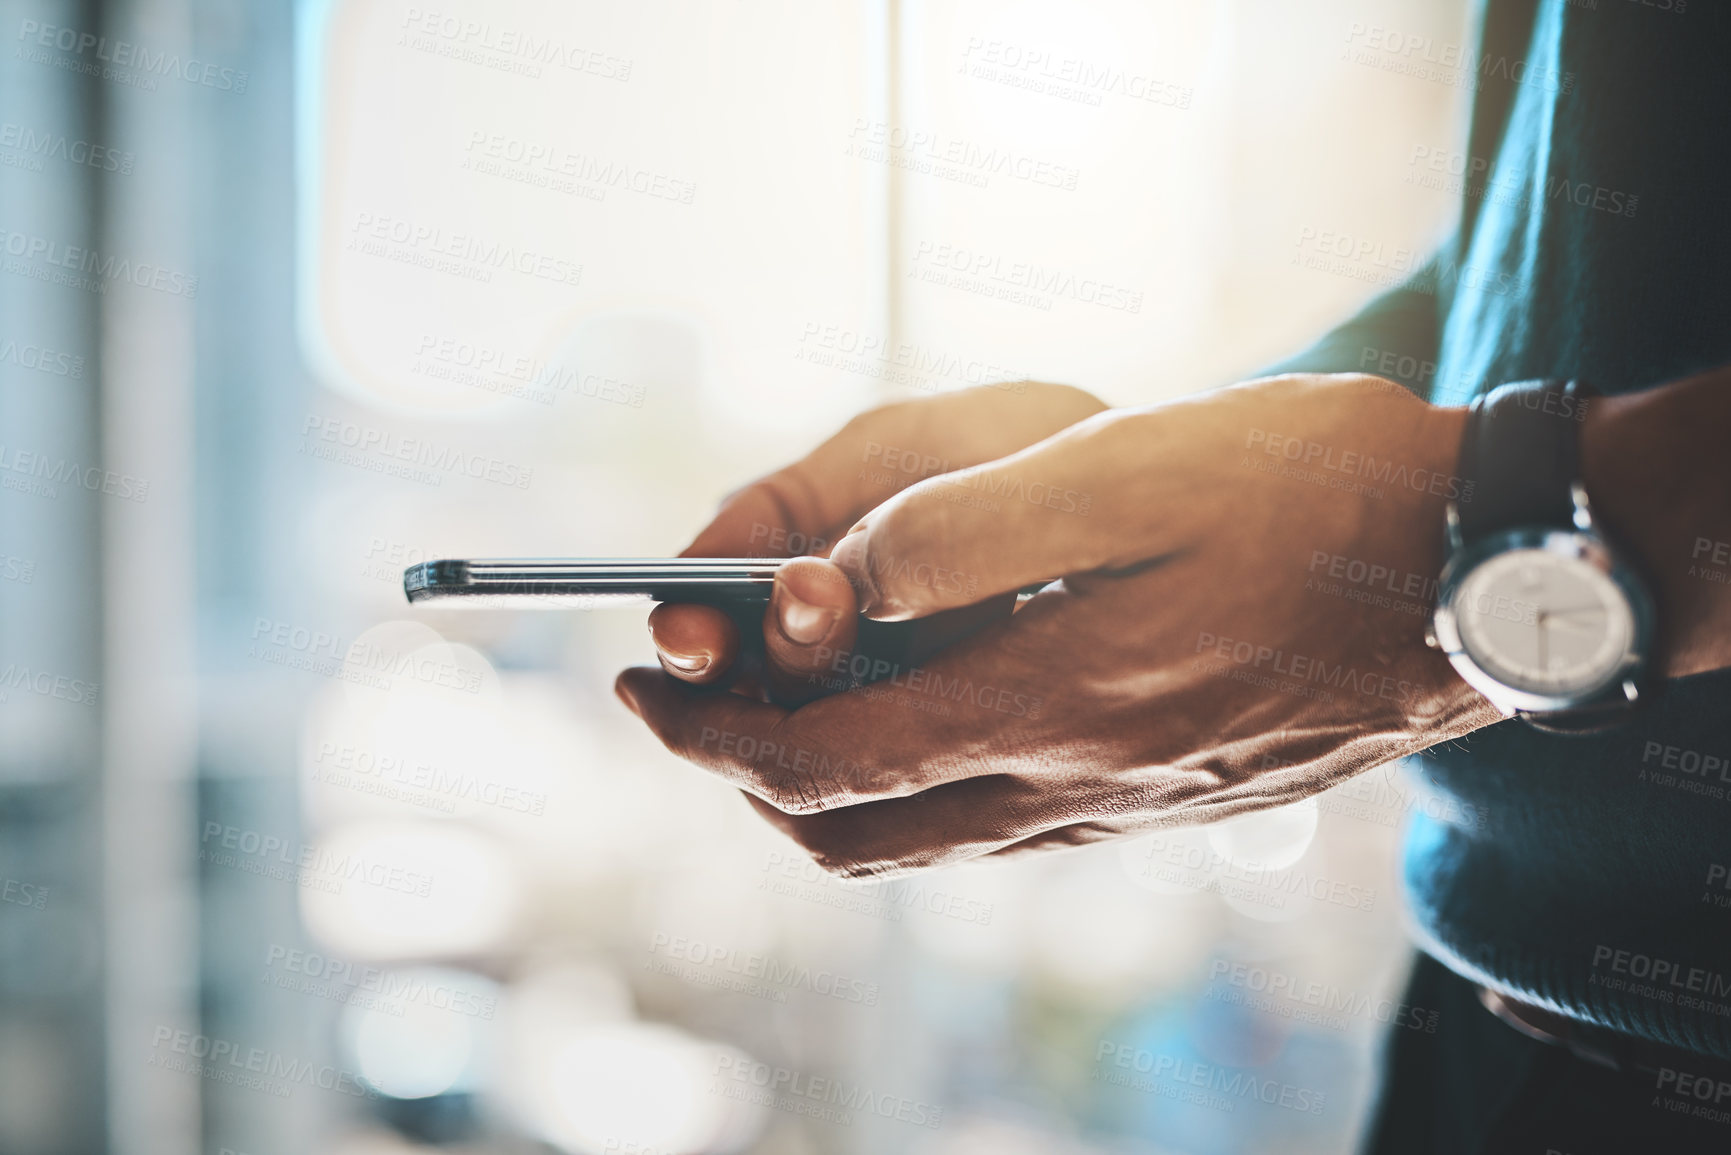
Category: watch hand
[1543,617]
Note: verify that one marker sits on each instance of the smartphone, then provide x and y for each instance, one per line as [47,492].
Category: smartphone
[739,587]
[555,583]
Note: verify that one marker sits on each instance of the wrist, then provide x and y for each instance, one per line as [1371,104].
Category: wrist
[1655,477]
[1454,707]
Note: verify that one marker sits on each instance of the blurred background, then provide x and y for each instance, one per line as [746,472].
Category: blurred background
[295,295]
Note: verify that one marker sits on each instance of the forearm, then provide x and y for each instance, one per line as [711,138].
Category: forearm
[1657,465]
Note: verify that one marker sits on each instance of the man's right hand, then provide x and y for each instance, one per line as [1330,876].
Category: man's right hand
[805,508]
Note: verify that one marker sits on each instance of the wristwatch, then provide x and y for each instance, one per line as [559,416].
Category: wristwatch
[1535,607]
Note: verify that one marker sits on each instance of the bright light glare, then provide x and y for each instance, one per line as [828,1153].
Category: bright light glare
[1266,839]
[432,1046]
[614,1085]
[1171,862]
[408,667]
[409,889]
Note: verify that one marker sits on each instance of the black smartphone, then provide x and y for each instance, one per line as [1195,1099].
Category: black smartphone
[555,583]
[739,587]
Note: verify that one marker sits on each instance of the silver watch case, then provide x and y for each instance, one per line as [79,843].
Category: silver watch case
[1620,686]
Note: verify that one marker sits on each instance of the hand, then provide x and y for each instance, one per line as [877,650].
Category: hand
[805,508]
[1217,644]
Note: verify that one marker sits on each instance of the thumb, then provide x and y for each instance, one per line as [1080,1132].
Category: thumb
[962,537]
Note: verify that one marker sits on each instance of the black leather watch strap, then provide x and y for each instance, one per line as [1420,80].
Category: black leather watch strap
[1520,455]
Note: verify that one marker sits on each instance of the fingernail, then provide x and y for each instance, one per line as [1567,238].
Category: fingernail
[686,663]
[802,622]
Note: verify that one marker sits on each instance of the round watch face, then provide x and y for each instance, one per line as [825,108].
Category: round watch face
[1544,622]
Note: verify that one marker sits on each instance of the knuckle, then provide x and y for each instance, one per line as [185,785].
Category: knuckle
[836,867]
[876,422]
[838,846]
[1080,400]
[800,771]
[836,859]
[792,795]
[1117,429]
[859,871]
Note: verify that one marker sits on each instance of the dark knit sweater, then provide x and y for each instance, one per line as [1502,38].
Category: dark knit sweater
[1594,242]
